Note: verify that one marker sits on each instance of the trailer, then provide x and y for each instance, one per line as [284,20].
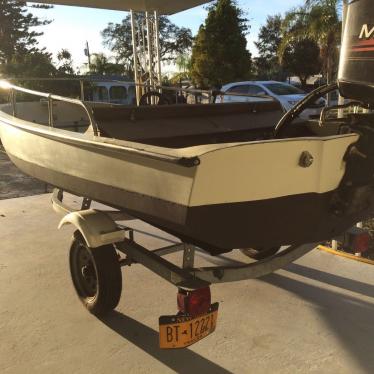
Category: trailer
[102,244]
[95,268]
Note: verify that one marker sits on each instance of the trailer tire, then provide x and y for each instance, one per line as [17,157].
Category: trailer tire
[260,254]
[96,275]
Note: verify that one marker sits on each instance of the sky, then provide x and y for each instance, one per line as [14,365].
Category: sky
[72,26]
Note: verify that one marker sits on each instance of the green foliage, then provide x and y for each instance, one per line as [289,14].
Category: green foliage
[177,78]
[32,64]
[337,4]
[65,63]
[174,40]
[100,65]
[17,30]
[267,64]
[301,58]
[38,64]
[317,20]
[183,63]
[219,53]
[19,52]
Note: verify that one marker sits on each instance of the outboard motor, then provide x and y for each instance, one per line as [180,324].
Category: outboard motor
[356,71]
[356,82]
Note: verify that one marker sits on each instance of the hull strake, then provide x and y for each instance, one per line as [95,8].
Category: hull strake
[221,227]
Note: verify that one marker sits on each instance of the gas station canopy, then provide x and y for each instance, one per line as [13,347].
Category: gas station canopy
[162,6]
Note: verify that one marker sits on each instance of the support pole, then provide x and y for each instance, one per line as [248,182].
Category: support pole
[158,47]
[344,19]
[88,54]
[50,111]
[13,101]
[81,85]
[135,53]
[150,49]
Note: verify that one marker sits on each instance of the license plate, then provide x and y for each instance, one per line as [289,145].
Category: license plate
[182,331]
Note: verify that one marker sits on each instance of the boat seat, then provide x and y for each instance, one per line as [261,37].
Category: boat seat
[178,126]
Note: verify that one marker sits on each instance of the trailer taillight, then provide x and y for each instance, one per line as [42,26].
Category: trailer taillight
[361,243]
[356,240]
[194,303]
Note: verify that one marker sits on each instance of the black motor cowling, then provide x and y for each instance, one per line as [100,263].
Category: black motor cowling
[356,70]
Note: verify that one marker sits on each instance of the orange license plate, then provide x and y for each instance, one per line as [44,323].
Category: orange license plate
[182,331]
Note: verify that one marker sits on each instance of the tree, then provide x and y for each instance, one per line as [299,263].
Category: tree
[317,20]
[100,65]
[19,52]
[301,58]
[269,39]
[219,53]
[35,64]
[17,30]
[183,63]
[174,40]
[65,63]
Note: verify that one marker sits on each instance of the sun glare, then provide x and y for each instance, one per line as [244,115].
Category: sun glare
[5,85]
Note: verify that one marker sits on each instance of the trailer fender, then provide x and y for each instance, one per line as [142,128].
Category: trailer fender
[96,227]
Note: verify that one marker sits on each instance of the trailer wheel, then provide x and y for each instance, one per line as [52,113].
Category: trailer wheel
[260,254]
[96,275]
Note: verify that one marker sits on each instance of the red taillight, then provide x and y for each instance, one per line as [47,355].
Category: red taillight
[356,240]
[194,303]
[361,243]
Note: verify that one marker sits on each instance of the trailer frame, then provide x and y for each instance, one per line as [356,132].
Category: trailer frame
[100,228]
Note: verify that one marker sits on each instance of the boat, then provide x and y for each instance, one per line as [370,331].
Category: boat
[219,176]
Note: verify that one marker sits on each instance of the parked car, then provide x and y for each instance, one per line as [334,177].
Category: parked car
[287,94]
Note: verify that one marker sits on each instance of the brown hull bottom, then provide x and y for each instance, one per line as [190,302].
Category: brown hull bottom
[295,219]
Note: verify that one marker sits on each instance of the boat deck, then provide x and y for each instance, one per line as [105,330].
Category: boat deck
[178,126]
[314,316]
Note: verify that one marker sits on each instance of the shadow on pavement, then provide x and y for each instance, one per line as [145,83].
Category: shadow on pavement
[348,317]
[333,280]
[181,361]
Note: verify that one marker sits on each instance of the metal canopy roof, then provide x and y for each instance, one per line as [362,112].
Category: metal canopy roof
[163,6]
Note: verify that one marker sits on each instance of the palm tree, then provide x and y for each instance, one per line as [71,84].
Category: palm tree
[99,64]
[102,65]
[65,62]
[317,20]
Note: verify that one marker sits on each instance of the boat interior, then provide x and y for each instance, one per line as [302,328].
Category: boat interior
[177,126]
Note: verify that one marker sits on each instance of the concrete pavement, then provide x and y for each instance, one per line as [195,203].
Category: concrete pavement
[315,316]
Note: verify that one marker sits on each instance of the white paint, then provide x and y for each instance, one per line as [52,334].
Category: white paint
[366,33]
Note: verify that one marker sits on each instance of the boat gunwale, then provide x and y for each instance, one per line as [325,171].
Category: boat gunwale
[187,157]
[97,141]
